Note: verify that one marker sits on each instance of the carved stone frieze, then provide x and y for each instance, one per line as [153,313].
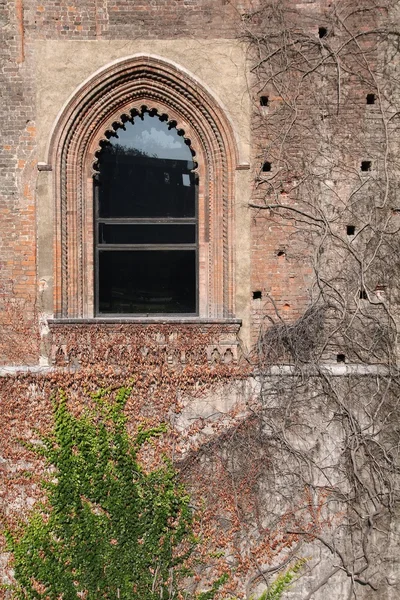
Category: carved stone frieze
[118,344]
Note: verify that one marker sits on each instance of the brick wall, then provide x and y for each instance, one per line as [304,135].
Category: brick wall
[17,194]
[280,268]
[314,127]
[127,19]
[23,23]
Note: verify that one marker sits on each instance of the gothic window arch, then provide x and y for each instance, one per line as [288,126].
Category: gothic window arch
[138,86]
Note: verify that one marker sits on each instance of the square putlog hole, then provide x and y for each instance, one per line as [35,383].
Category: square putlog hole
[366,165]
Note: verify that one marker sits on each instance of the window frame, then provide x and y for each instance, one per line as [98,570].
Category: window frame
[142,247]
[142,82]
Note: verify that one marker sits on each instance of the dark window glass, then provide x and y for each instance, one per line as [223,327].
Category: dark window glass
[146,234]
[146,172]
[147,282]
[146,198]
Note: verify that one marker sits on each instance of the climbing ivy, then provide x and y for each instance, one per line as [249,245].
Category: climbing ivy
[110,528]
[282,583]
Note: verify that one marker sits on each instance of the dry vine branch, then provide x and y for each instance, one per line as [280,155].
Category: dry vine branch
[331,182]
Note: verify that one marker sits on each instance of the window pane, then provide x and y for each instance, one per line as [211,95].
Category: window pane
[147,282]
[146,172]
[156,233]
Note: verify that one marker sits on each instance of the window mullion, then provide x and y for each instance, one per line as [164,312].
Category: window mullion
[176,247]
[148,221]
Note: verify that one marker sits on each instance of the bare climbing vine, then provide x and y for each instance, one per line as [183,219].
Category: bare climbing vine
[325,86]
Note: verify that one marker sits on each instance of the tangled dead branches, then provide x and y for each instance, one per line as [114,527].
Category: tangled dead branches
[327,168]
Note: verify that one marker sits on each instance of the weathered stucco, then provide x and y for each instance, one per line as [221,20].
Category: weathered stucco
[219,65]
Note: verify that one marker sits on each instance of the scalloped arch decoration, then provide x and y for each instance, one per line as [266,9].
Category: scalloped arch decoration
[129,118]
[160,86]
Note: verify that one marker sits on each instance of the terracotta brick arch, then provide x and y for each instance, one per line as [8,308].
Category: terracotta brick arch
[99,105]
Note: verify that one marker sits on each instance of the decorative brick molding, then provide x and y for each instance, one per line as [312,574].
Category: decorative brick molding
[98,341]
[99,106]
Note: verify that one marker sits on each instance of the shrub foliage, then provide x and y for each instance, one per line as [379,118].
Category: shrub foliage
[109,528]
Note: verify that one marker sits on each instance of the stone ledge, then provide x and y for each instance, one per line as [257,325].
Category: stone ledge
[274,370]
[144,321]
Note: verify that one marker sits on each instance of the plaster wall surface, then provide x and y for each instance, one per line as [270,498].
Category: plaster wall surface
[218,64]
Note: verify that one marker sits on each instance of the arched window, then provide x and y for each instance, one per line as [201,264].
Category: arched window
[146,220]
[154,234]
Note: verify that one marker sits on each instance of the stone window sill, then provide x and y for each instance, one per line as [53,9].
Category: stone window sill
[141,320]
